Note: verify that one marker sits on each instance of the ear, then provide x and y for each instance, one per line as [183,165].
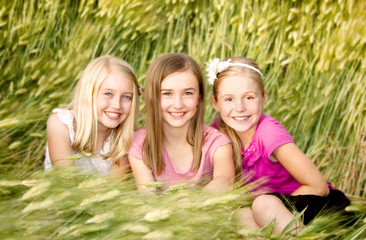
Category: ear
[214,104]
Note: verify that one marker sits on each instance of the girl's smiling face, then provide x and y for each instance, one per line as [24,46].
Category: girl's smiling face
[179,96]
[240,103]
[114,101]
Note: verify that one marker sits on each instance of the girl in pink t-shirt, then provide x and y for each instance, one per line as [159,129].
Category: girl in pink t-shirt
[266,151]
[176,146]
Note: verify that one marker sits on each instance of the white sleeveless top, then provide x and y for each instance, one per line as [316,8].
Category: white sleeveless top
[92,164]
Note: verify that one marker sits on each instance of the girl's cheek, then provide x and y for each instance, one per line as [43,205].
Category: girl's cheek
[226,105]
[196,101]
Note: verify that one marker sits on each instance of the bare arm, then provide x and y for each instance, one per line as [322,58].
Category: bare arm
[302,169]
[141,173]
[224,170]
[59,145]
[121,168]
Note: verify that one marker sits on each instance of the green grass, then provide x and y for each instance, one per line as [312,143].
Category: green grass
[312,54]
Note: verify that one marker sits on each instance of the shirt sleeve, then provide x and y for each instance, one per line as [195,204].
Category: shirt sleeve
[137,144]
[272,135]
[214,139]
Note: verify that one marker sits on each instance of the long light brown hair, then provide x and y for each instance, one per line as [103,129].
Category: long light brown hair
[159,69]
[85,108]
[232,71]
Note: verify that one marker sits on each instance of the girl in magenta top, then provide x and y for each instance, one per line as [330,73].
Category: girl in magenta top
[176,146]
[265,150]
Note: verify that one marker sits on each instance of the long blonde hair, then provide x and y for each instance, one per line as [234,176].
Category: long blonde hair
[232,71]
[159,69]
[85,108]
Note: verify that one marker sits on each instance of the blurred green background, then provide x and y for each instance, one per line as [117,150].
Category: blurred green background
[313,58]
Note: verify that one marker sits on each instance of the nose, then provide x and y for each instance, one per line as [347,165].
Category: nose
[116,103]
[240,106]
[178,102]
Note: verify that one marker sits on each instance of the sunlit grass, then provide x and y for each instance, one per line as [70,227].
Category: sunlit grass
[67,205]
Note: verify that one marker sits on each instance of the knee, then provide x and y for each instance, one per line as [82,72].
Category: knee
[265,204]
[244,213]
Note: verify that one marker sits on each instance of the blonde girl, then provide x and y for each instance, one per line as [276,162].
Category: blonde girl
[266,151]
[176,146]
[99,122]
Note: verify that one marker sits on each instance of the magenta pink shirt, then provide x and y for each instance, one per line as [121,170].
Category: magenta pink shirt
[257,163]
[213,140]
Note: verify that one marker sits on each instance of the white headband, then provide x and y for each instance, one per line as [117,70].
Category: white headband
[215,67]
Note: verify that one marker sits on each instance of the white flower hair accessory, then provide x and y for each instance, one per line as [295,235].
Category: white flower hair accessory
[212,70]
[215,67]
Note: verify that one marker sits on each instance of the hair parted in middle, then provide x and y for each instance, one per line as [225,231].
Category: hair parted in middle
[159,70]
[232,71]
[85,107]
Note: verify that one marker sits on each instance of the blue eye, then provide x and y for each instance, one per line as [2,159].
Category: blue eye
[108,94]
[126,97]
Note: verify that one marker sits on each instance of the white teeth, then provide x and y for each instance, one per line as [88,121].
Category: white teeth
[176,114]
[112,115]
[240,118]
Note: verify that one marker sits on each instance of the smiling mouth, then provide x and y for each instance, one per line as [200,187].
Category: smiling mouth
[113,115]
[177,114]
[241,118]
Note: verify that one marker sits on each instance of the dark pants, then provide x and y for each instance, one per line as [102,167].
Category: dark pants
[336,201]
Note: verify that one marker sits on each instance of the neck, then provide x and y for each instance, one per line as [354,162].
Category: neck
[175,135]
[246,137]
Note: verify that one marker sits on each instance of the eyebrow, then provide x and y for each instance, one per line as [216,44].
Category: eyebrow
[113,90]
[226,95]
[231,94]
[185,89]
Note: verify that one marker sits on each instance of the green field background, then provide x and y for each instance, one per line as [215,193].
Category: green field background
[312,54]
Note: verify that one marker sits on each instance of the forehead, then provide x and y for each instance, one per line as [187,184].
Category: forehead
[180,80]
[118,81]
[238,84]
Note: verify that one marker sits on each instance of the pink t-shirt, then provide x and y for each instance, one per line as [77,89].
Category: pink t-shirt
[258,163]
[213,140]
[257,160]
